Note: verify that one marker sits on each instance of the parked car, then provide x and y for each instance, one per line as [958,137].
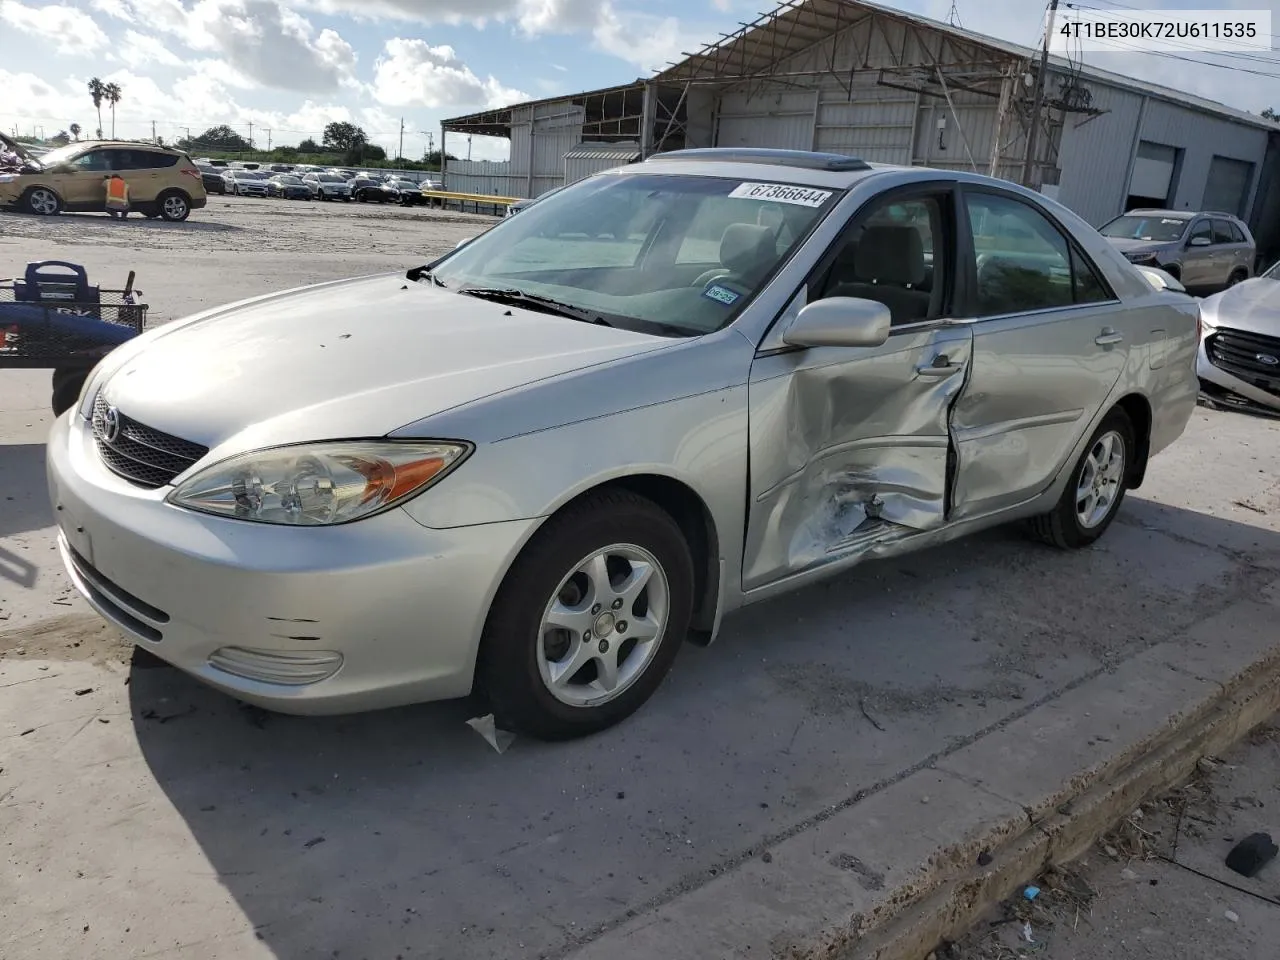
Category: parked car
[577,448]
[410,191]
[370,190]
[328,186]
[289,187]
[212,178]
[1239,361]
[1203,250]
[280,168]
[525,204]
[246,183]
[163,182]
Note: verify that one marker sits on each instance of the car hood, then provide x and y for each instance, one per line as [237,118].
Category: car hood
[1126,245]
[358,358]
[1252,305]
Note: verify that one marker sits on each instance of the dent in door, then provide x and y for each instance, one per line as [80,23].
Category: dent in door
[847,454]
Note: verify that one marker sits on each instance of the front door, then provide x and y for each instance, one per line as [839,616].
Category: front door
[1050,343]
[850,447]
[1197,259]
[86,188]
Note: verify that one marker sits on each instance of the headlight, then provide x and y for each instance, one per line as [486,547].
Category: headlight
[318,484]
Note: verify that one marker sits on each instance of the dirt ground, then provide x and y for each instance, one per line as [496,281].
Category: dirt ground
[1157,887]
[222,834]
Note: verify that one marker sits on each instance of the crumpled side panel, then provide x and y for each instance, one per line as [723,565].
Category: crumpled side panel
[845,448]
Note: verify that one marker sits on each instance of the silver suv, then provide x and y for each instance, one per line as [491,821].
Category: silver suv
[1203,250]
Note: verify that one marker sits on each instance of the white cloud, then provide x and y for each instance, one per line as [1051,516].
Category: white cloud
[139,48]
[112,8]
[642,39]
[414,73]
[72,31]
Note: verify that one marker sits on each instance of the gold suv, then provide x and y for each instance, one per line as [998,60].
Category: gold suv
[163,182]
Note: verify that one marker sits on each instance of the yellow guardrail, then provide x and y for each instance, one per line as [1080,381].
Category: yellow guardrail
[445,196]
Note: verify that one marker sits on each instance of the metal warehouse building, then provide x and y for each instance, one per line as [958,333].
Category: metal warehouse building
[863,79]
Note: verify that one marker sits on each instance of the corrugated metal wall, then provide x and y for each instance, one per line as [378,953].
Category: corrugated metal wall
[541,134]
[774,116]
[1096,155]
[1201,137]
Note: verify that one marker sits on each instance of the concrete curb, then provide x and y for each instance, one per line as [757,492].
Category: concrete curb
[890,875]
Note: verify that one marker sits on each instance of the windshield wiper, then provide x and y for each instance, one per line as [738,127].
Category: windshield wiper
[533,301]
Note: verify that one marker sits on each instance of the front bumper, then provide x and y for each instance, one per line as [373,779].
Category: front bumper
[340,619]
[1222,384]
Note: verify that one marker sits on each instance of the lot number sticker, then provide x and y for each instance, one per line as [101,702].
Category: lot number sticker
[800,196]
[720,294]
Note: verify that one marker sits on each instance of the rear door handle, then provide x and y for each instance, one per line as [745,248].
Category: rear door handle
[1108,338]
[940,366]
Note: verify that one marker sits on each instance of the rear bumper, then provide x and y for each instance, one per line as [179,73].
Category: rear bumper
[198,202]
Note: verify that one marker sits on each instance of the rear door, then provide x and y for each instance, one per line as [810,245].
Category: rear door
[1050,341]
[139,171]
[850,446]
[1225,250]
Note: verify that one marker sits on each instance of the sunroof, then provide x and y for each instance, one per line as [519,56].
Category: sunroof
[805,159]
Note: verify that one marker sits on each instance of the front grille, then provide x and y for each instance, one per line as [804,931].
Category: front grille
[1248,356]
[139,453]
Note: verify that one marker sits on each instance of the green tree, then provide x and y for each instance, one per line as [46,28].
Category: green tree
[221,137]
[98,93]
[111,93]
[60,138]
[309,146]
[344,137]
[1270,114]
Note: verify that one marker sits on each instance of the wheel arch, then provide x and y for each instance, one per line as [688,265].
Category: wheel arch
[31,187]
[696,522]
[1138,409]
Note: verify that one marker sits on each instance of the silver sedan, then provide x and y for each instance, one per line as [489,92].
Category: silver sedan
[542,462]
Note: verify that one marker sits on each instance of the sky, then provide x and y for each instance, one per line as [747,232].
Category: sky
[288,67]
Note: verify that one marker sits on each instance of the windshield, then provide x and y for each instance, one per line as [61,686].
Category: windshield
[63,154]
[329,178]
[1272,272]
[683,253]
[287,179]
[1153,229]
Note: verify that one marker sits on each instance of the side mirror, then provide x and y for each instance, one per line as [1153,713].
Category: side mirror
[839,322]
[1200,242]
[463,243]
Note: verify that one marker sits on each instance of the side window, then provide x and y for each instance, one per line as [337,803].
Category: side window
[1089,287]
[1023,262]
[150,160]
[894,255]
[1202,229]
[1237,235]
[94,160]
[1222,232]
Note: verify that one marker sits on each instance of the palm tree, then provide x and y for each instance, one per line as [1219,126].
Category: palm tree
[98,91]
[111,92]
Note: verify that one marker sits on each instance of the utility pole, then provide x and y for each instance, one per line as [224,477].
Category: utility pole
[400,152]
[268,139]
[188,130]
[953,15]
[251,135]
[153,131]
[468,146]
[1038,103]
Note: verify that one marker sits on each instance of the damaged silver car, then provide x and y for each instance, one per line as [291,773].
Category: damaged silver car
[1239,362]
[541,463]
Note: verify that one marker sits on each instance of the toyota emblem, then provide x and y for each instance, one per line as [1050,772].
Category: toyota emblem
[110,424]
[1268,359]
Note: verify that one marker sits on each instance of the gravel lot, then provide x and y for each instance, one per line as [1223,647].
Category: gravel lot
[229,833]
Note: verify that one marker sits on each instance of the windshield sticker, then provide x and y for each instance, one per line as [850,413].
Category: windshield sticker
[1167,220]
[800,196]
[721,294]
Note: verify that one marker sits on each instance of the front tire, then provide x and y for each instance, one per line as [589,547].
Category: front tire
[42,201]
[67,384]
[1097,487]
[589,619]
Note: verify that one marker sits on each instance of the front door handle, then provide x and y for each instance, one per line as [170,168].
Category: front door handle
[1108,338]
[940,366]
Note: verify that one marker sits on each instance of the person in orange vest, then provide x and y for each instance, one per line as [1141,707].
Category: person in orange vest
[117,196]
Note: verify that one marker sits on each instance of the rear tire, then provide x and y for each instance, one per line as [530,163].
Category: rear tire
[1237,276]
[1081,516]
[593,551]
[174,206]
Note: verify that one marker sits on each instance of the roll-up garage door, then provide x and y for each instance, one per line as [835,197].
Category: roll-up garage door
[1153,171]
[783,120]
[1228,186]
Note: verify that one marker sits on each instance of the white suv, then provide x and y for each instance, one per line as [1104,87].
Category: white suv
[328,186]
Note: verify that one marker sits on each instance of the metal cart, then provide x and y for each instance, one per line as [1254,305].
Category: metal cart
[53,318]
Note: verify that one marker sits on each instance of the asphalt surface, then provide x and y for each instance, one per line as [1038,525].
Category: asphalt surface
[185,825]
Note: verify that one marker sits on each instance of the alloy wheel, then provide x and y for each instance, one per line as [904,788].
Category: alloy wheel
[43,202]
[1101,480]
[175,208]
[603,625]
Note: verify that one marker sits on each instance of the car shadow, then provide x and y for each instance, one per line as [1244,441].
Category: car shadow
[137,221]
[402,832]
[24,493]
